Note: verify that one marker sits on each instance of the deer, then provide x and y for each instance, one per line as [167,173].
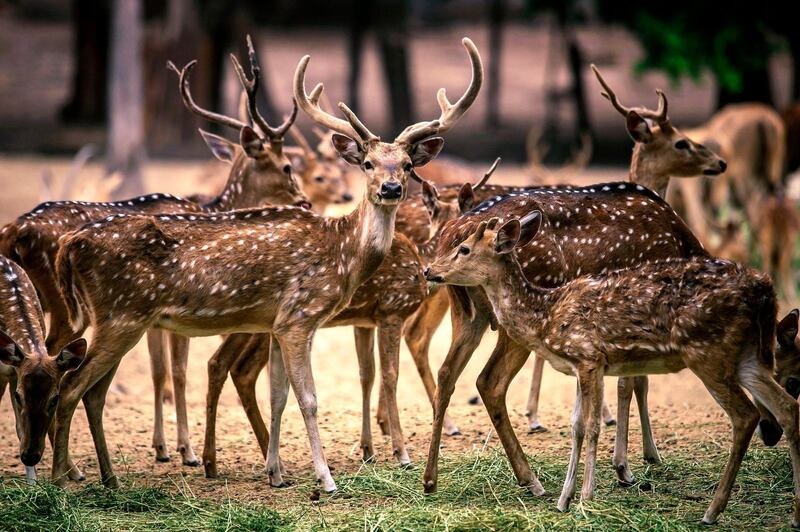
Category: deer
[581,217]
[260,174]
[285,281]
[25,364]
[659,317]
[787,356]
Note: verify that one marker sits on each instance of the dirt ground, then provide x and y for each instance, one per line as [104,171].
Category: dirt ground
[681,409]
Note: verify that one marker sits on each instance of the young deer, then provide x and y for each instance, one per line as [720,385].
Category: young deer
[283,282]
[25,365]
[323,181]
[787,355]
[657,318]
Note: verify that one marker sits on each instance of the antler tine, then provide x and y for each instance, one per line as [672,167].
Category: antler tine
[451,113]
[190,104]
[660,114]
[488,174]
[480,230]
[310,103]
[359,126]
[609,94]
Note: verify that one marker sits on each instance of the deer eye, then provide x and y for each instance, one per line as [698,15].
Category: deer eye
[319,179]
[287,169]
[463,250]
[367,165]
[682,145]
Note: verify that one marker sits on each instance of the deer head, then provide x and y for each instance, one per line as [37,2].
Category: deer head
[36,395]
[388,166]
[475,261]
[661,149]
[323,181]
[258,162]
[787,355]
[443,211]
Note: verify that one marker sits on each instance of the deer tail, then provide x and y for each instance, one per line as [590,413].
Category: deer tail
[69,284]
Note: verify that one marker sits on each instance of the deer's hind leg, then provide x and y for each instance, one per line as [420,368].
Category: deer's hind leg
[179,348]
[532,411]
[278,395]
[757,379]
[158,371]
[244,373]
[365,351]
[390,332]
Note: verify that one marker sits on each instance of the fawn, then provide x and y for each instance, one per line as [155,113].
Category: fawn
[25,365]
[659,317]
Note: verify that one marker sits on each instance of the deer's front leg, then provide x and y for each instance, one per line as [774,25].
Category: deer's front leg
[505,362]
[390,331]
[578,432]
[467,334]
[365,351]
[278,394]
[620,459]
[591,385]
[179,349]
[158,371]
[649,448]
[94,400]
[296,349]
[533,397]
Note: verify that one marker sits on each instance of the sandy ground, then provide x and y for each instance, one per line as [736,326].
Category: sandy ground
[681,408]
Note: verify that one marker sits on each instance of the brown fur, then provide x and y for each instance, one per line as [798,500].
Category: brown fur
[656,318]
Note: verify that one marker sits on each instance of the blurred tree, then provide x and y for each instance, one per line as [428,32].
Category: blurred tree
[733,41]
[125,151]
[497,16]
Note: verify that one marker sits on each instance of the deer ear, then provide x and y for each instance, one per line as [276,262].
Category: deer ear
[9,353]
[298,163]
[507,237]
[426,150]
[72,356]
[251,142]
[530,225]
[466,198]
[223,149]
[787,329]
[430,197]
[638,128]
[348,149]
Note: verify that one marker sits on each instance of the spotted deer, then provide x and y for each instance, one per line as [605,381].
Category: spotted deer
[25,365]
[787,356]
[657,318]
[322,180]
[293,270]
[633,222]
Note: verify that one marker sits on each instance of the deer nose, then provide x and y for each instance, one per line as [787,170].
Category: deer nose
[722,165]
[434,278]
[391,190]
[30,458]
[303,204]
[347,197]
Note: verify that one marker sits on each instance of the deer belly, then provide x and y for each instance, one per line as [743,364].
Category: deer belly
[199,325]
[668,363]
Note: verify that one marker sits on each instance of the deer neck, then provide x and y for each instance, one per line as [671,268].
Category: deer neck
[365,238]
[644,173]
[509,292]
[234,195]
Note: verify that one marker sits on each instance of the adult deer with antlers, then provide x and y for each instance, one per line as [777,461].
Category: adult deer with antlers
[184,281]
[260,174]
[595,228]
[656,318]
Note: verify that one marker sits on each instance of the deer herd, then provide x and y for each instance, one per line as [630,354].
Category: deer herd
[598,280]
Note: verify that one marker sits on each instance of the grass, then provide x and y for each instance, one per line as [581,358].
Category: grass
[476,491]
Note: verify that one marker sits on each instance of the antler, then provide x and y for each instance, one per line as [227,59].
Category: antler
[186,93]
[250,86]
[659,115]
[352,127]
[298,137]
[487,175]
[450,112]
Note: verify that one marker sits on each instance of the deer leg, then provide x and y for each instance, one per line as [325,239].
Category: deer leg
[785,270]
[244,373]
[608,417]
[649,449]
[365,350]
[592,397]
[94,401]
[158,370]
[505,362]
[390,331]
[59,332]
[108,347]
[218,366]
[533,397]
[278,395]
[179,348]
[296,350]
[769,393]
[620,461]
[418,332]
[467,335]
[73,473]
[578,432]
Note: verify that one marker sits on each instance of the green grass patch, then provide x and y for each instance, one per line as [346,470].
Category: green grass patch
[476,492]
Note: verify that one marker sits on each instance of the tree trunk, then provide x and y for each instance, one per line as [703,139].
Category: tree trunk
[90,23]
[575,59]
[793,37]
[392,40]
[358,30]
[497,13]
[126,151]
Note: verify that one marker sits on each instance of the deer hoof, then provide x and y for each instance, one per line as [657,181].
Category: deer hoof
[536,428]
[210,470]
[563,504]
[191,463]
[611,422]
[429,486]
